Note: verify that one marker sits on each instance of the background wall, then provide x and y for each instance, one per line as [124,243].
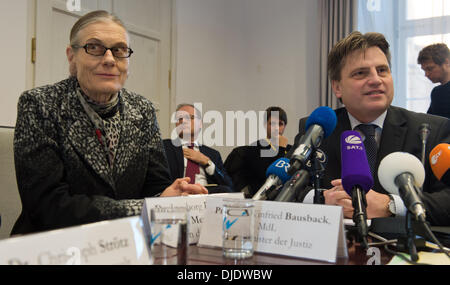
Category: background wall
[247,55]
[17,20]
[229,55]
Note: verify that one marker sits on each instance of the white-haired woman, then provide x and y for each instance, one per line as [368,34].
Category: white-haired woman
[86,149]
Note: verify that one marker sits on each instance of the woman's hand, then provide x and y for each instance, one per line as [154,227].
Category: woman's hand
[181,187]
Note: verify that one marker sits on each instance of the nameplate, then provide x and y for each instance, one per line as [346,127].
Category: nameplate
[116,242]
[196,205]
[290,229]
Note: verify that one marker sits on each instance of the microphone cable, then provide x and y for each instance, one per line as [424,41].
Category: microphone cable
[435,240]
[401,255]
[386,244]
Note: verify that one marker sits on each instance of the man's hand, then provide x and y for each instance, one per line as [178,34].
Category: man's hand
[195,156]
[181,187]
[338,196]
[377,204]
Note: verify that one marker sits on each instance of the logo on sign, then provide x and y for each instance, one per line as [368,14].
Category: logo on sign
[434,158]
[227,223]
[352,139]
[281,164]
[153,238]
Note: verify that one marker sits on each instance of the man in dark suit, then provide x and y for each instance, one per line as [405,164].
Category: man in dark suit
[188,158]
[435,62]
[359,68]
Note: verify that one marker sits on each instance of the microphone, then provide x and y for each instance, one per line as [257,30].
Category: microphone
[356,178]
[402,173]
[440,162]
[301,178]
[276,175]
[289,191]
[320,156]
[424,132]
[319,125]
[316,167]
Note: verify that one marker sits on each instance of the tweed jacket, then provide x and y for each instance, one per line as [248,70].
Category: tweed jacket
[62,170]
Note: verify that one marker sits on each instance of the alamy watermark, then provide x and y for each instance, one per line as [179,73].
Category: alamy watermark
[238,128]
[375,256]
[73,5]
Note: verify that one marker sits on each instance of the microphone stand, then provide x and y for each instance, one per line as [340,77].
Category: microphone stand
[424,133]
[273,192]
[359,203]
[317,170]
[411,241]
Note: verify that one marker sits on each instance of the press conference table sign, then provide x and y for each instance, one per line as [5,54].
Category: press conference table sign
[116,242]
[196,205]
[291,229]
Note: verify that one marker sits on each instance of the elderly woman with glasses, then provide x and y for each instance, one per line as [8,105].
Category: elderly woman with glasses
[85,148]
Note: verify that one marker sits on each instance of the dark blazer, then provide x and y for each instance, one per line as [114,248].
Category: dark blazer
[174,152]
[247,165]
[62,172]
[400,133]
[440,101]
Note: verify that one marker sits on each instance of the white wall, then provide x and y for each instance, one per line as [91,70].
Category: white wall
[16,73]
[247,55]
[229,54]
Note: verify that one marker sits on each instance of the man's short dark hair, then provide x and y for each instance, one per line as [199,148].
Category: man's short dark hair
[438,53]
[281,114]
[353,42]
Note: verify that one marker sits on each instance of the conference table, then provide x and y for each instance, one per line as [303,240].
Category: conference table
[357,255]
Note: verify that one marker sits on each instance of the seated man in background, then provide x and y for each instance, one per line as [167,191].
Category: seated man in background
[187,158]
[360,71]
[435,61]
[247,165]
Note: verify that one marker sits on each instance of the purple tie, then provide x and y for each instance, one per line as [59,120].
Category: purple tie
[192,168]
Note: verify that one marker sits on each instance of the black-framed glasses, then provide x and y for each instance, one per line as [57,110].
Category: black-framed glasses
[100,50]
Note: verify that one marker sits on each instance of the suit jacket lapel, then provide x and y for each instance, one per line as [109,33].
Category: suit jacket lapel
[392,138]
[203,150]
[393,135]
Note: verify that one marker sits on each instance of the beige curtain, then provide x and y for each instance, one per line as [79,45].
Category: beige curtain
[338,19]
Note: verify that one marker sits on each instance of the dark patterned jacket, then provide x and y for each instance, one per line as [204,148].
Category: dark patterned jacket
[62,170]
